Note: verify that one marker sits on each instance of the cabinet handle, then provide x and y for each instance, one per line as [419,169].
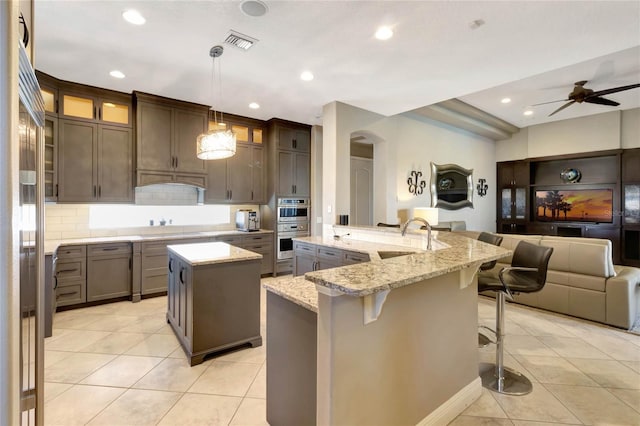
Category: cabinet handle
[181,279]
[176,162]
[252,195]
[99,191]
[57,106]
[67,270]
[55,279]
[295,143]
[94,113]
[109,248]
[170,266]
[130,264]
[231,194]
[66,294]
[56,189]
[99,113]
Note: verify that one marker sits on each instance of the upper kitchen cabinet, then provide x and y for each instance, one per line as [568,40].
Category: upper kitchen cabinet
[90,104]
[166,132]
[241,178]
[95,162]
[49,91]
[291,146]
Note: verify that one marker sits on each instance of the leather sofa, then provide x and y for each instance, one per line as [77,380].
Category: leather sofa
[582,280]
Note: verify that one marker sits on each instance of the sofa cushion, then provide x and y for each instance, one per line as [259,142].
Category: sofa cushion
[579,257]
[588,282]
[609,270]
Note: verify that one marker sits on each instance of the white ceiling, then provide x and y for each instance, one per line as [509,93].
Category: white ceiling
[433,56]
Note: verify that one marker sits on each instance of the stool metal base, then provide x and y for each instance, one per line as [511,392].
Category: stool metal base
[513,383]
[483,341]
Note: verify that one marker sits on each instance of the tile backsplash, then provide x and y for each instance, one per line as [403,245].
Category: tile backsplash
[64,221]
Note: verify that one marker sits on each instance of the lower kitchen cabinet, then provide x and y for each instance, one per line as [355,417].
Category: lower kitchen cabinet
[70,275]
[108,271]
[309,257]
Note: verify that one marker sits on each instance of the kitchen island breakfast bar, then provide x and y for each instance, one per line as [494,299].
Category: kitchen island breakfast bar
[394,340]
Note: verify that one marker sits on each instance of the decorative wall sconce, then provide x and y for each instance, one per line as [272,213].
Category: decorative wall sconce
[416,186]
[482,187]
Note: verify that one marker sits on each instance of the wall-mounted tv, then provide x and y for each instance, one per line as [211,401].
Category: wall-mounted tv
[574,205]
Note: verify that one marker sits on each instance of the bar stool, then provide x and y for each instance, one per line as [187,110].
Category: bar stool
[496,240]
[527,274]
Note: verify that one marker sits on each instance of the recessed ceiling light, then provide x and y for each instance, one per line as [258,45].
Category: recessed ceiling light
[505,100]
[253,8]
[306,76]
[254,105]
[528,112]
[116,74]
[384,33]
[133,17]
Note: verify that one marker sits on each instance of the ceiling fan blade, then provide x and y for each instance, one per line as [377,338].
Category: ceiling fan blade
[614,90]
[551,102]
[601,101]
[562,107]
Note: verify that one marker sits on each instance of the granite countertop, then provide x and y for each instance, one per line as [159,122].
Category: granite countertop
[365,247]
[295,289]
[198,254]
[50,246]
[367,278]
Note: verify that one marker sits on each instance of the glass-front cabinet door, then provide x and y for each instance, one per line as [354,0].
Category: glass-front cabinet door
[99,108]
[50,158]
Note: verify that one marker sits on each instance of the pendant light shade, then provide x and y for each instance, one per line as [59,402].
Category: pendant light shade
[219,142]
[216,145]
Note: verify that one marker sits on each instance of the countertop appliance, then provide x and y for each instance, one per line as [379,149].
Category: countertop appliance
[247,220]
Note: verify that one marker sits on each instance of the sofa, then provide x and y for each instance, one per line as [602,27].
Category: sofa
[582,280]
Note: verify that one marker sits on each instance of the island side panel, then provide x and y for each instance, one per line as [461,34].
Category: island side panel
[226,305]
[420,352]
[291,363]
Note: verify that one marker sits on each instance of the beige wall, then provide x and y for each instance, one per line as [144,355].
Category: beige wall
[402,143]
[610,130]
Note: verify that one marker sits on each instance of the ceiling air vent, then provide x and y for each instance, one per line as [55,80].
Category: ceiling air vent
[239,40]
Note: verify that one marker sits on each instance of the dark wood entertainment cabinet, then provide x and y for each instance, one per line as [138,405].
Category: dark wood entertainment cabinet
[617,171]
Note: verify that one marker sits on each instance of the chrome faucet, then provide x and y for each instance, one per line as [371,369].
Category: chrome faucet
[418,219]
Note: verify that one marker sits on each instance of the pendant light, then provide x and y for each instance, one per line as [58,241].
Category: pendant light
[219,142]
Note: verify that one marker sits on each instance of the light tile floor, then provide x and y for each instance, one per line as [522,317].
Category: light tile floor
[120,364]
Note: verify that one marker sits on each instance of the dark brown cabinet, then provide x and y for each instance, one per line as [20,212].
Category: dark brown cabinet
[95,162]
[166,132]
[294,139]
[630,172]
[70,275]
[293,174]
[513,192]
[309,257]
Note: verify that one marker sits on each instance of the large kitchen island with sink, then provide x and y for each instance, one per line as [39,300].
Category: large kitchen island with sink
[395,338]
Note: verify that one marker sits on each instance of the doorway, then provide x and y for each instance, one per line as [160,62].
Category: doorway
[361,198]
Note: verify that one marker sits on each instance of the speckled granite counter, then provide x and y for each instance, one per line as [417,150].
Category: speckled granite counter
[371,277]
[297,290]
[199,254]
[50,246]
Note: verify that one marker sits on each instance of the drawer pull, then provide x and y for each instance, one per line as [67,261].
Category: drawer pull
[110,248]
[67,270]
[68,294]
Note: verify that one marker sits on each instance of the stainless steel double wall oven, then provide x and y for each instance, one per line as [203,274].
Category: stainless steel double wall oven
[292,222]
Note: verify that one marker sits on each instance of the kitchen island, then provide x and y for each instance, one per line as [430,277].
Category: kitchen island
[396,338]
[213,297]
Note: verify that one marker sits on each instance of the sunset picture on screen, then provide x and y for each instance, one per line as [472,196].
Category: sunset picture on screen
[579,205]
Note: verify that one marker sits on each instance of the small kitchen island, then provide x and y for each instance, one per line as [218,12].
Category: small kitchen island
[213,297]
[396,338]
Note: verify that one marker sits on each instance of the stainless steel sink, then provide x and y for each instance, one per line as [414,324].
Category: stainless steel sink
[389,254]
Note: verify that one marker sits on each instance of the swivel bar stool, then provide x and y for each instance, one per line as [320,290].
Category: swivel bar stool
[496,240]
[527,274]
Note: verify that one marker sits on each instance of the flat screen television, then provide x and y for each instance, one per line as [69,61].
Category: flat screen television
[574,205]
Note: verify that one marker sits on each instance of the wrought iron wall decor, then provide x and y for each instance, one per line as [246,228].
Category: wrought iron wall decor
[416,186]
[482,187]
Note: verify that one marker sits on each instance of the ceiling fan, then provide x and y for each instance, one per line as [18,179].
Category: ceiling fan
[582,94]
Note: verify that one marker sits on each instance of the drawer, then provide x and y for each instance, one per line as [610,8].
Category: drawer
[235,240]
[351,257]
[64,252]
[301,247]
[71,293]
[108,249]
[155,248]
[257,238]
[70,269]
[259,247]
[330,253]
